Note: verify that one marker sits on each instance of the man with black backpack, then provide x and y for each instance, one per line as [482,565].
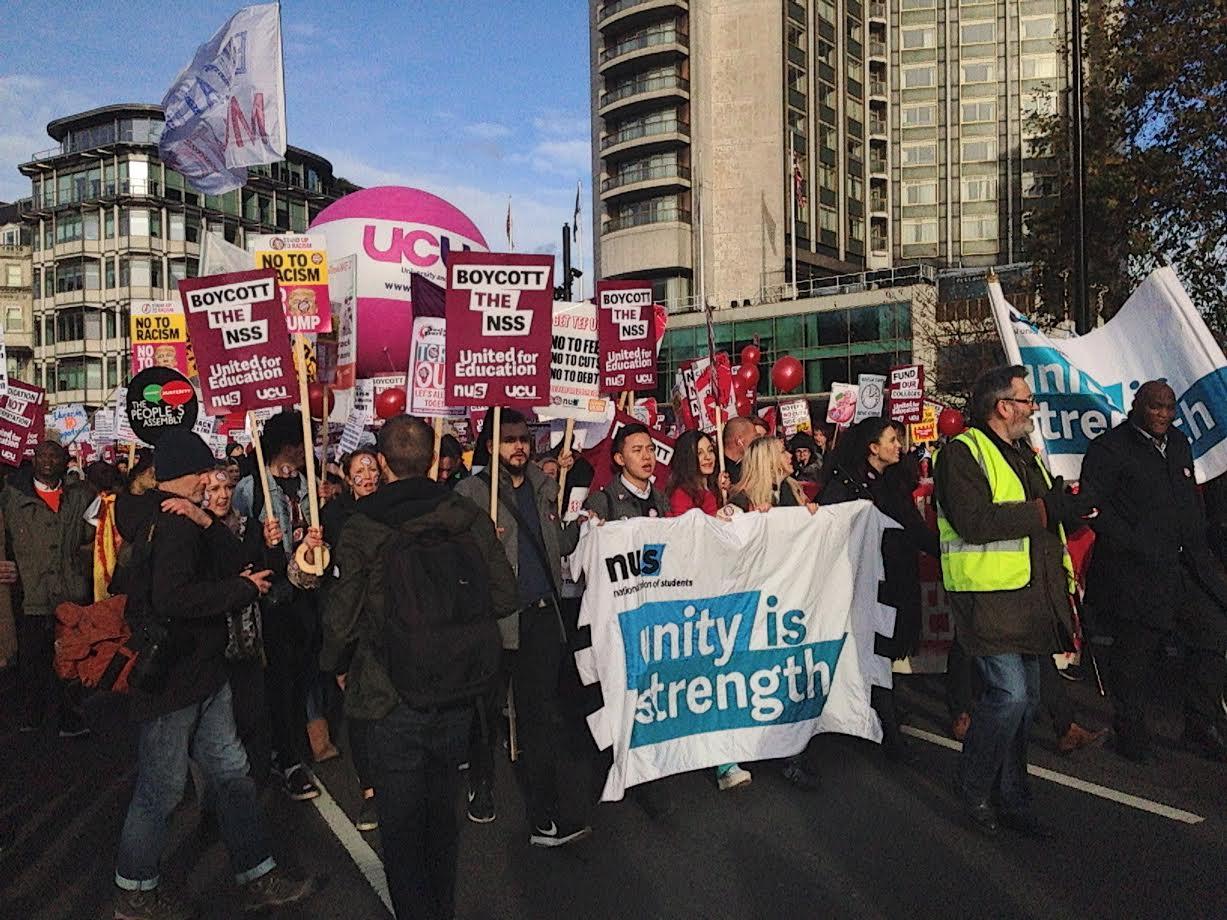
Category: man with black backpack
[410,623]
[535,540]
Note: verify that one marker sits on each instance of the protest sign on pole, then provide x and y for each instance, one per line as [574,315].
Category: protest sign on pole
[870,396]
[427,367]
[301,263]
[21,412]
[907,392]
[71,422]
[1083,386]
[103,424]
[499,313]
[705,386]
[575,374]
[841,409]
[226,110]
[626,319]
[726,642]
[157,400]
[159,336]
[794,416]
[925,431]
[343,295]
[239,339]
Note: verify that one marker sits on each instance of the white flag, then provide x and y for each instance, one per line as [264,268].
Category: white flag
[226,109]
[219,256]
[1085,385]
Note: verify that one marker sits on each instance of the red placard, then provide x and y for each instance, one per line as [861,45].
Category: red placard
[499,324]
[626,319]
[21,418]
[907,385]
[239,338]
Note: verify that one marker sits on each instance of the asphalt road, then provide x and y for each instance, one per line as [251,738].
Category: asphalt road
[878,841]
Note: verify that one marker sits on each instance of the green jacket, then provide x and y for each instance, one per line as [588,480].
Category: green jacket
[354,607]
[53,550]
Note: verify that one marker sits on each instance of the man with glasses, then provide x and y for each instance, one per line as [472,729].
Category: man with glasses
[535,540]
[1001,520]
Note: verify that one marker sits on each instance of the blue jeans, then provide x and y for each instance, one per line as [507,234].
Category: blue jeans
[414,757]
[993,766]
[206,732]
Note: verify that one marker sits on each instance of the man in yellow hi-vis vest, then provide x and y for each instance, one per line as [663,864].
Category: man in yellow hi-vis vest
[1001,520]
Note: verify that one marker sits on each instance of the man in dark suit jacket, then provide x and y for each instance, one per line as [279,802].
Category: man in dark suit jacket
[1152,572]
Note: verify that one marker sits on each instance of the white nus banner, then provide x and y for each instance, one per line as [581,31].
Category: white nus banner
[1085,385]
[728,641]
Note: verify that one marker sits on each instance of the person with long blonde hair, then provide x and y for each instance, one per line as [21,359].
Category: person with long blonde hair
[766,478]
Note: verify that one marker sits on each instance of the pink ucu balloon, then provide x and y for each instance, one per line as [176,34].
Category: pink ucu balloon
[395,233]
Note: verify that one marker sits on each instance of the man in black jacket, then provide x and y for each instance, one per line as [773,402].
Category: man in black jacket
[188,574]
[1152,572]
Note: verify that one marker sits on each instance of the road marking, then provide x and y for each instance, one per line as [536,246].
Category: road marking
[1062,779]
[365,858]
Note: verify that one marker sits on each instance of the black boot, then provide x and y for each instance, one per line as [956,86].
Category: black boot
[894,746]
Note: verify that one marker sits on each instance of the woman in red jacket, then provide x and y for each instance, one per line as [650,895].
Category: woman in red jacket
[694,483]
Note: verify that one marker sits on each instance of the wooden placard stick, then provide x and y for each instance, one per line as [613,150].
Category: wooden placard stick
[312,562]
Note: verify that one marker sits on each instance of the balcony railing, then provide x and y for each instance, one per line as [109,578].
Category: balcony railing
[613,7]
[877,88]
[648,40]
[649,85]
[96,188]
[631,176]
[660,216]
[877,49]
[877,126]
[648,130]
[877,203]
[877,164]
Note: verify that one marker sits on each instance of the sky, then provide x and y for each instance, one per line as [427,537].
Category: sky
[473,100]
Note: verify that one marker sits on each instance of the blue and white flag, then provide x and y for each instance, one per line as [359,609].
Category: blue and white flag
[1085,385]
[729,641]
[226,110]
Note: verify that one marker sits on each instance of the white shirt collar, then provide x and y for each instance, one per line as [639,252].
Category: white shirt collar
[645,494]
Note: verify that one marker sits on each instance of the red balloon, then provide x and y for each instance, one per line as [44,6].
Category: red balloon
[787,374]
[751,354]
[390,403]
[319,396]
[747,376]
[950,422]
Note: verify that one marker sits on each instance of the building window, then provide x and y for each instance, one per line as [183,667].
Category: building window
[1038,186]
[856,149]
[796,36]
[980,228]
[13,319]
[1038,26]
[1038,66]
[919,76]
[826,52]
[855,30]
[917,4]
[979,150]
[69,227]
[12,276]
[828,219]
[916,39]
[856,228]
[796,122]
[856,188]
[920,116]
[1039,103]
[918,232]
[797,81]
[978,111]
[979,188]
[110,273]
[1036,147]
[975,33]
[919,154]
[977,72]
[920,193]
[108,223]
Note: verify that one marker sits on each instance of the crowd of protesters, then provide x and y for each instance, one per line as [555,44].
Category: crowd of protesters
[264,656]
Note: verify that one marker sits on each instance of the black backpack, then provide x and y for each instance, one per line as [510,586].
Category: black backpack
[440,638]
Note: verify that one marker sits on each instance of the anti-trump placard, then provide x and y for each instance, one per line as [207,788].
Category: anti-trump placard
[628,340]
[159,337]
[731,641]
[240,341]
[499,315]
[301,263]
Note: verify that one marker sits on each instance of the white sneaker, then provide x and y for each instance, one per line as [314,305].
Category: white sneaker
[734,778]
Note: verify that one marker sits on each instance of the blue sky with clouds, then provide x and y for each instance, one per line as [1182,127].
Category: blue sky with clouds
[470,99]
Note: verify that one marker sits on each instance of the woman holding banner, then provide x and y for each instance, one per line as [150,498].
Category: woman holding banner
[693,484]
[867,466]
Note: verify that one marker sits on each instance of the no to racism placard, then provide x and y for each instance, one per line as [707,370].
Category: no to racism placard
[301,263]
[21,411]
[499,313]
[159,337]
[575,375]
[627,334]
[239,338]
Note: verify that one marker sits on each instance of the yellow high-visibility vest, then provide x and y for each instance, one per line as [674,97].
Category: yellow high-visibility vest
[1003,565]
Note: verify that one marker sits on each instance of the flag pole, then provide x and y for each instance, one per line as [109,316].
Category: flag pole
[792,153]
